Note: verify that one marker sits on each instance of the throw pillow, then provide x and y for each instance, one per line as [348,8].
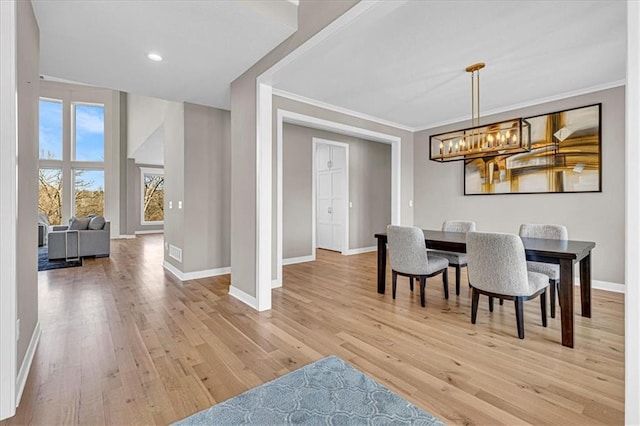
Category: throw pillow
[79,223]
[96,223]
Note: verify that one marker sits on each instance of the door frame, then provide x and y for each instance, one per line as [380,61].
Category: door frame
[314,229]
[285,116]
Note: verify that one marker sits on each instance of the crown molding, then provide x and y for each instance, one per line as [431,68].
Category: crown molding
[527,104]
[340,110]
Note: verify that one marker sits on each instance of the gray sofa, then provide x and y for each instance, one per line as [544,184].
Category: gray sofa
[66,242]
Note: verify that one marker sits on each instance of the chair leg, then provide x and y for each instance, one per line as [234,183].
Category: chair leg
[490,304]
[474,305]
[457,280]
[422,282]
[411,283]
[519,302]
[552,299]
[557,289]
[501,302]
[543,307]
[445,283]
[394,281]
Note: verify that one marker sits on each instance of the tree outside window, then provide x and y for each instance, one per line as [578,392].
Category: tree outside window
[50,194]
[89,192]
[152,197]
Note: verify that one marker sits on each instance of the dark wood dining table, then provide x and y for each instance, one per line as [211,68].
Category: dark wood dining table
[560,252]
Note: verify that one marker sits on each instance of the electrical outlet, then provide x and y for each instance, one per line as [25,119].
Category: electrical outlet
[170,204]
[350,204]
[410,203]
[18,329]
[179,204]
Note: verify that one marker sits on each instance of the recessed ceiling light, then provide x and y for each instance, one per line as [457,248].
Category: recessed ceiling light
[154,57]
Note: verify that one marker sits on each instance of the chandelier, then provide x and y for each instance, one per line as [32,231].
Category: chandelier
[502,138]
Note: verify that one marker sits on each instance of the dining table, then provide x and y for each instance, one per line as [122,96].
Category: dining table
[560,252]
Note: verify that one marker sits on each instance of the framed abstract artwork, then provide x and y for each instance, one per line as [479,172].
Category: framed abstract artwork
[565,157]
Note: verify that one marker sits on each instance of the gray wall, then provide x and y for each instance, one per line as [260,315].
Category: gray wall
[595,217]
[312,17]
[122,165]
[28,51]
[207,187]
[174,179]
[197,172]
[369,189]
[134,198]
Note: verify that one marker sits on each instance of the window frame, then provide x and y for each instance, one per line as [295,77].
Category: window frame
[70,95]
[154,172]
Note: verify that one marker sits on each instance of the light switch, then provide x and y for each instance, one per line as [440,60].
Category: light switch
[350,205]
[410,203]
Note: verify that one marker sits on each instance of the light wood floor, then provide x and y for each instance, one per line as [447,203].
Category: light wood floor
[124,342]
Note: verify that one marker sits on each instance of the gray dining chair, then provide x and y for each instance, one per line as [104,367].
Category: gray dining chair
[457,260]
[555,232]
[408,257]
[497,267]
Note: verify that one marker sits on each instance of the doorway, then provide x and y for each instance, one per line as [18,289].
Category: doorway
[331,195]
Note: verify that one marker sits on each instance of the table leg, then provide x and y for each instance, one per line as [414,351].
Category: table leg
[382,264]
[566,301]
[585,285]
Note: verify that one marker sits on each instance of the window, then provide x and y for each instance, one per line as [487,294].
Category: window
[88,192]
[50,134]
[89,132]
[73,143]
[50,194]
[152,196]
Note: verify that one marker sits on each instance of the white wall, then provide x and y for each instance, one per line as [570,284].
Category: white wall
[145,116]
[632,266]
[595,217]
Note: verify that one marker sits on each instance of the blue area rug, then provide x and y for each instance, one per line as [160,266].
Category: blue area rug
[44,264]
[326,392]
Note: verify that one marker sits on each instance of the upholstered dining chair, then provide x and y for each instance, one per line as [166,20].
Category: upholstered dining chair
[457,260]
[408,256]
[555,232]
[497,267]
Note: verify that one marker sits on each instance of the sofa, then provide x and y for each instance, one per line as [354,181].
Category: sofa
[84,236]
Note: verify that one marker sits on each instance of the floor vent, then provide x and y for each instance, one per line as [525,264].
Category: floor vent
[175,252]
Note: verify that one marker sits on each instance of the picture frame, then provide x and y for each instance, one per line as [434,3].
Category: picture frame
[565,157]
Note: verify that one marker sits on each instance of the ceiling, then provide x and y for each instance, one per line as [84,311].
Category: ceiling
[402,61]
[205,44]
[407,65]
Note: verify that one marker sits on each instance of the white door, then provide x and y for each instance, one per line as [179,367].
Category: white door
[330,196]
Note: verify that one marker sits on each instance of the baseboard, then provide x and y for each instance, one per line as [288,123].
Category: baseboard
[206,273]
[603,285]
[150,231]
[351,252]
[301,259]
[186,276]
[276,284]
[243,297]
[23,374]
[124,237]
